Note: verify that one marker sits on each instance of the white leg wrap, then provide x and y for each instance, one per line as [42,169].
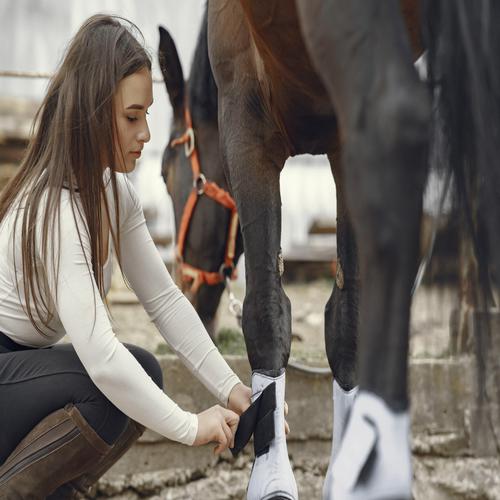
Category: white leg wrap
[272,475]
[374,459]
[342,403]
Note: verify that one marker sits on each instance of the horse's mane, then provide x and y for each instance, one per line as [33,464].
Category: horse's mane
[202,87]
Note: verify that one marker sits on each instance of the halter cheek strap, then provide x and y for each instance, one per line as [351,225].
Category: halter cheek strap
[201,187]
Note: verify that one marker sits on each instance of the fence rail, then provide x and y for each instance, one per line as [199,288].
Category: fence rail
[41,75]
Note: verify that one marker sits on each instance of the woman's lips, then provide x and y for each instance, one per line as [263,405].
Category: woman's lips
[137,154]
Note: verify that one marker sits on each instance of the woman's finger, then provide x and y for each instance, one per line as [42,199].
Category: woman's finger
[222,440]
[229,434]
[230,417]
[287,428]
[232,420]
[286,409]
[234,427]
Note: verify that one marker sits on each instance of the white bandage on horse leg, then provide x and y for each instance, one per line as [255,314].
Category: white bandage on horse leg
[272,475]
[342,403]
[374,459]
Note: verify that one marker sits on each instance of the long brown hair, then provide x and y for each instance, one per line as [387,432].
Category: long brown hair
[73,140]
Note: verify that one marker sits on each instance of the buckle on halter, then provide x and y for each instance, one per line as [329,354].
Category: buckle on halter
[199,184]
[189,144]
[226,271]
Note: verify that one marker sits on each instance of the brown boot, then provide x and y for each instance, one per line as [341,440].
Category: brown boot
[58,449]
[81,486]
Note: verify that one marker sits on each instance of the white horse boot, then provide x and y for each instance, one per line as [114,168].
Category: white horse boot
[374,460]
[342,404]
[272,476]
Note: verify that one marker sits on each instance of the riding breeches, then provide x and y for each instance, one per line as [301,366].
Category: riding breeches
[36,382]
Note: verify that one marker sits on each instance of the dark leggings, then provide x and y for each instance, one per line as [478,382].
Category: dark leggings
[37,382]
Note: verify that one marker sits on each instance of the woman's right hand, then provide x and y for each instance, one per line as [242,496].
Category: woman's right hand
[217,425]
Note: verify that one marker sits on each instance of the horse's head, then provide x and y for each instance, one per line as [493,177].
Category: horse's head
[206,237]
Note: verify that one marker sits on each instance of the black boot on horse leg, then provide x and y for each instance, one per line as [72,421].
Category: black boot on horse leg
[341,322]
[383,113]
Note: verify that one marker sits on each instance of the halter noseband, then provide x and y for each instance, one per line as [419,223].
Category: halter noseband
[201,187]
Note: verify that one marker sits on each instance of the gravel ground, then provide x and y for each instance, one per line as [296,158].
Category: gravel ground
[225,481]
[435,478]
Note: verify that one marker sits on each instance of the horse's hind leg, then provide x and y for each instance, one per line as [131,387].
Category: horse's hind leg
[362,53]
[341,320]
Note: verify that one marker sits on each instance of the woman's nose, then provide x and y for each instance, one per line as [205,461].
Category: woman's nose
[144,134]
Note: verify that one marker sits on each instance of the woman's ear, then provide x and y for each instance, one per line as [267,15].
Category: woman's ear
[171,70]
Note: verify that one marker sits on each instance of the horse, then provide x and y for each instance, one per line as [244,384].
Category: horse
[368,112]
[209,242]
[288,83]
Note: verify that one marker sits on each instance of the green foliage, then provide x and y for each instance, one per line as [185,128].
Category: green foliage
[163,348]
[230,341]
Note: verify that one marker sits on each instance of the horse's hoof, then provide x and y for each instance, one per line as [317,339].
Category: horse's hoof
[374,460]
[272,476]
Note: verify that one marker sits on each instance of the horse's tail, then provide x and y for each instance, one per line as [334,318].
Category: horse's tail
[463,43]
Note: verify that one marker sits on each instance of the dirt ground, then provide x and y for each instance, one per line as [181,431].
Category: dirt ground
[429,331]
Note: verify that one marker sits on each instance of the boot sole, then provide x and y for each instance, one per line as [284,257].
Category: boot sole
[278,496]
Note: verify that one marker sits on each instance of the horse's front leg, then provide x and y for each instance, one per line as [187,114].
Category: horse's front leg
[254,157]
[362,52]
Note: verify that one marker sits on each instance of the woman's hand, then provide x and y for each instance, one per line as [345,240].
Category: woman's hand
[217,425]
[239,398]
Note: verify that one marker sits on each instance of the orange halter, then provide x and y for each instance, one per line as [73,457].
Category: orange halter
[212,190]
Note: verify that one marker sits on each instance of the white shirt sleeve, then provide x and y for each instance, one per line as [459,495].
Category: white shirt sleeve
[168,308]
[112,368]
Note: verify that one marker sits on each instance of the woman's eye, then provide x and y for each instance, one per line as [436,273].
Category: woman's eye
[131,118]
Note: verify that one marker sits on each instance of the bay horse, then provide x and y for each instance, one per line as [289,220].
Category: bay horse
[335,78]
[208,233]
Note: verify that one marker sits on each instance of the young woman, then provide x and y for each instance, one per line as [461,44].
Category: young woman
[68,412]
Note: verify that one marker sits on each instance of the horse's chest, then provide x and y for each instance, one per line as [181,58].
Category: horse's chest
[311,128]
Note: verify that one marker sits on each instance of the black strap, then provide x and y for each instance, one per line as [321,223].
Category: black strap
[258,419]
[264,432]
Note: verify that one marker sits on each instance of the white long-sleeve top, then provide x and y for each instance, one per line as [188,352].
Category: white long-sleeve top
[81,314]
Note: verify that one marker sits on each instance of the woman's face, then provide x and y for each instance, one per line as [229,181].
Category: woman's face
[133,97]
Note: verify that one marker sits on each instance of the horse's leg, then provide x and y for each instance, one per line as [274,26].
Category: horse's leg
[363,55]
[341,321]
[253,155]
[254,165]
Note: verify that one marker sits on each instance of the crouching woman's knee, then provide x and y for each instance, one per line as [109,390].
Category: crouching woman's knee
[149,362]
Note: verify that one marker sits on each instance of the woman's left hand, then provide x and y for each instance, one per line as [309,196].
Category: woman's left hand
[239,398]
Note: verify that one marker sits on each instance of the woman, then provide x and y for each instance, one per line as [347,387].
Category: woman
[68,412]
